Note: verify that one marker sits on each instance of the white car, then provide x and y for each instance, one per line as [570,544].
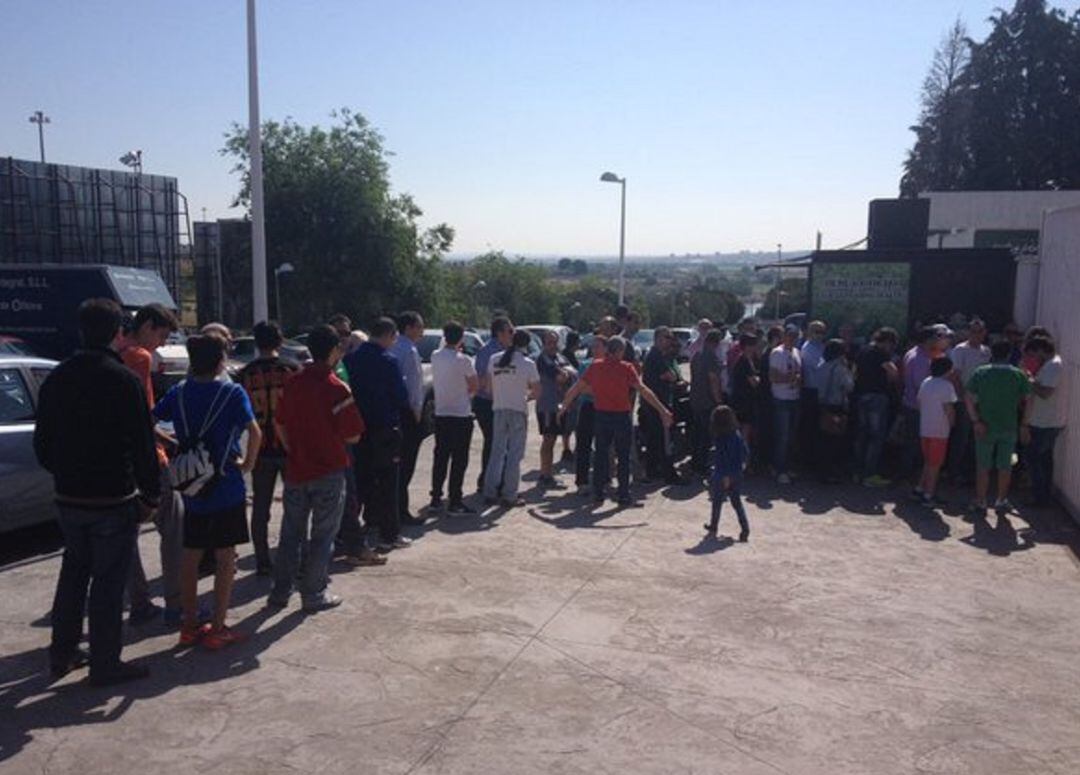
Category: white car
[26,489]
[539,329]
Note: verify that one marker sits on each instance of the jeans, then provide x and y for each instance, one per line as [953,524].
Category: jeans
[962,446]
[873,421]
[412,436]
[785,423]
[453,435]
[583,437]
[718,498]
[169,521]
[509,431]
[484,418]
[378,456]
[612,428]
[98,549]
[263,480]
[317,505]
[1039,456]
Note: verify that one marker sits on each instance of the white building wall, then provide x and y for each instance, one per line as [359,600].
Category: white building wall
[1059,311]
[963,213]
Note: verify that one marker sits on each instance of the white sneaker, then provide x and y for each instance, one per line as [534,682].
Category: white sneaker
[401,542]
[783,479]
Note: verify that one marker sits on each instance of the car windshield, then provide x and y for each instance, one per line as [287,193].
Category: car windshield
[428,344]
[15,405]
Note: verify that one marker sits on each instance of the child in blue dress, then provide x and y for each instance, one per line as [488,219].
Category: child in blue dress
[729,459]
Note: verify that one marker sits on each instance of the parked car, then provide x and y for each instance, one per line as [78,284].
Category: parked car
[26,489]
[170,362]
[12,345]
[244,352]
[535,345]
[432,341]
[539,329]
[685,337]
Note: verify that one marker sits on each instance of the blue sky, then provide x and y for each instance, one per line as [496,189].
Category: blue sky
[738,125]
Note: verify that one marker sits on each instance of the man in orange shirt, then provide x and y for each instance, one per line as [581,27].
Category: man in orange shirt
[611,381]
[149,330]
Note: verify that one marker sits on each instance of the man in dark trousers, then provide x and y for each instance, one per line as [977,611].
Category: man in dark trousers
[95,436]
[410,331]
[502,334]
[379,390]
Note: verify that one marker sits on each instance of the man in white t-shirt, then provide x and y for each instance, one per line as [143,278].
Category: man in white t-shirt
[937,414]
[966,357]
[1048,416]
[455,384]
[785,375]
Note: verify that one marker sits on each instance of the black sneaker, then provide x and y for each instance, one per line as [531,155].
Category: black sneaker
[410,521]
[744,536]
[80,659]
[121,673]
[460,510]
[143,614]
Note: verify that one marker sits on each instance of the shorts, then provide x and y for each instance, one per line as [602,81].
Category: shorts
[217,529]
[934,451]
[995,451]
[550,424]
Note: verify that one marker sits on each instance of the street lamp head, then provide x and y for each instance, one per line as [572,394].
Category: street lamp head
[285,268]
[611,177]
[131,158]
[480,285]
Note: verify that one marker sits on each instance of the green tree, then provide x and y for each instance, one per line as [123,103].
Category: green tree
[939,159]
[1025,124]
[794,297]
[517,287]
[330,212]
[1003,114]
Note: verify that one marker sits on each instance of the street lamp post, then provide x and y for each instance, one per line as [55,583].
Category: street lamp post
[41,120]
[258,226]
[779,259]
[611,177]
[278,272]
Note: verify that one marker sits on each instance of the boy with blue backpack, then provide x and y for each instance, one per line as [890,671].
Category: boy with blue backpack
[209,417]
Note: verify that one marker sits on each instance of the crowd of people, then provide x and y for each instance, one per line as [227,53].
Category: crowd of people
[344,432]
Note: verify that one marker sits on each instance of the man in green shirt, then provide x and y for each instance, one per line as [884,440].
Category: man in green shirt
[995,394]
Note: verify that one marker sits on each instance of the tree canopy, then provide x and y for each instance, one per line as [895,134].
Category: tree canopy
[330,212]
[1004,113]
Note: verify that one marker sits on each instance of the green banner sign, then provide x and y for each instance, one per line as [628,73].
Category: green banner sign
[867,295]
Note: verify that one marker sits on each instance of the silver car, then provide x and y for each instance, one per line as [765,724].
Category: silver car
[26,489]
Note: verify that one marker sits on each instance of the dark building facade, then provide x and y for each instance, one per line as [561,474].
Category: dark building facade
[64,214]
[222,253]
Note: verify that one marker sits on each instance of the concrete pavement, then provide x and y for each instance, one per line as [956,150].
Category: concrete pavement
[851,635]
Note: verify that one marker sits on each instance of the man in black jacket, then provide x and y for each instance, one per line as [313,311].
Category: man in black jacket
[95,435]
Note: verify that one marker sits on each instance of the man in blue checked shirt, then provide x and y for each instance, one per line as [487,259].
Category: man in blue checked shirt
[410,331]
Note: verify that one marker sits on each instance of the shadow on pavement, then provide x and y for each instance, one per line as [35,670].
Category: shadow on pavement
[710,544]
[29,701]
